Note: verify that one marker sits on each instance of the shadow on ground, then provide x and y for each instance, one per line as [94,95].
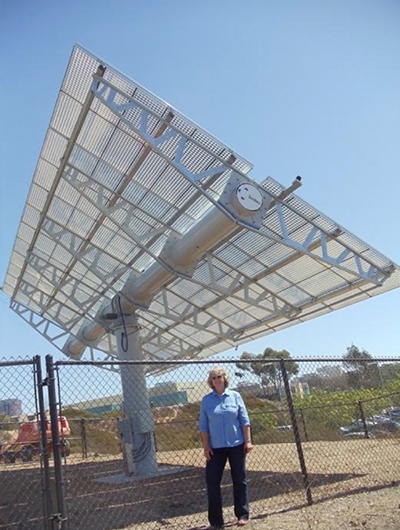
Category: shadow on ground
[321,500]
[153,501]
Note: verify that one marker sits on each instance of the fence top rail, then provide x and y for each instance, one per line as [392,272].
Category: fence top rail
[92,420]
[17,362]
[181,362]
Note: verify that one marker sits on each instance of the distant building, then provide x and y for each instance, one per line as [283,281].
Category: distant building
[164,386]
[171,393]
[12,407]
[300,389]
[164,394]
[195,390]
[99,406]
[297,388]
[250,386]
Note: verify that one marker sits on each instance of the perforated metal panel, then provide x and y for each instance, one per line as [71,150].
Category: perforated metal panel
[120,172]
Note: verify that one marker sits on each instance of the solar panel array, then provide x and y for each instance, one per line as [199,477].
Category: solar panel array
[121,171]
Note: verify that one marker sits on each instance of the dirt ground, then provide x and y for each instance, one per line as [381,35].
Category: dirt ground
[373,510]
[354,484]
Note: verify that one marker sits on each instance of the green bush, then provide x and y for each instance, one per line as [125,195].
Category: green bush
[324,411]
[102,438]
[101,432]
[177,436]
[176,428]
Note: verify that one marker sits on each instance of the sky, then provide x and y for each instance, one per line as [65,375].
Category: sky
[308,88]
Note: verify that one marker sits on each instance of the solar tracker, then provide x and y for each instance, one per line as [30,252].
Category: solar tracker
[144,237]
[132,201]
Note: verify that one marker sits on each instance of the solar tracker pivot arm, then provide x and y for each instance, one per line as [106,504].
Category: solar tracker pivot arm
[241,201]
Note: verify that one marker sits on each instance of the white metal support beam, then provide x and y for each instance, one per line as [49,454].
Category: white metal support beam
[54,333]
[177,257]
[68,150]
[69,288]
[364,267]
[108,94]
[81,253]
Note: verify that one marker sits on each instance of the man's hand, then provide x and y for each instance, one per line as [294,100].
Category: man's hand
[208,453]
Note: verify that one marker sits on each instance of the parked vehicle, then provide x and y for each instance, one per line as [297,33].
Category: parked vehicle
[377,426]
[361,434]
[27,444]
[284,428]
[356,426]
[393,413]
[388,424]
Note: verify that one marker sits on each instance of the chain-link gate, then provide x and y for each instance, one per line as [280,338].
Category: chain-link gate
[322,429]
[25,490]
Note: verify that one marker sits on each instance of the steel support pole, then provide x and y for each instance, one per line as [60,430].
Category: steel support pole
[362,416]
[303,421]
[83,438]
[296,432]
[44,452]
[61,516]
[137,428]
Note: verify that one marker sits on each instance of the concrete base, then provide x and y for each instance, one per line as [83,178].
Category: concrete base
[121,478]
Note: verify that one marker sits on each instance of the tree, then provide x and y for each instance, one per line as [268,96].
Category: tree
[389,371]
[333,377]
[269,373]
[361,371]
[327,377]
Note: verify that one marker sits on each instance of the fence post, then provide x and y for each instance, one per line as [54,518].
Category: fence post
[83,438]
[296,433]
[303,421]
[362,416]
[61,516]
[44,450]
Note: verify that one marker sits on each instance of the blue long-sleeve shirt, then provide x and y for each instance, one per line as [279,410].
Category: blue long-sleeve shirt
[223,417]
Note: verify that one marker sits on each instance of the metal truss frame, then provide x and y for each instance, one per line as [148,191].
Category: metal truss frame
[108,94]
[52,331]
[239,282]
[124,227]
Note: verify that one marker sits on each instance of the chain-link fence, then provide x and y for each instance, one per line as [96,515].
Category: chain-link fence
[333,429]
[321,429]
[22,503]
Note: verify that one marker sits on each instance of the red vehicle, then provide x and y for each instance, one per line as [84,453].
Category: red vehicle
[27,444]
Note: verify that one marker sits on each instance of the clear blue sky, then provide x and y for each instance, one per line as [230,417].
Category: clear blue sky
[296,86]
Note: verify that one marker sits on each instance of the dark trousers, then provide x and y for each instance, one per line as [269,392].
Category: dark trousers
[214,471]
